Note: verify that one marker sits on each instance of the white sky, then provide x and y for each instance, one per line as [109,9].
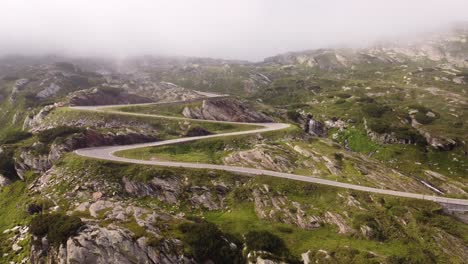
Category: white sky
[235,29]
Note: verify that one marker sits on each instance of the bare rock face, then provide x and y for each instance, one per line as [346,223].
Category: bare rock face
[94,244]
[277,207]
[385,138]
[225,109]
[435,141]
[33,158]
[4,181]
[261,156]
[105,96]
[19,84]
[33,120]
[202,197]
[439,143]
[315,127]
[166,190]
[51,90]
[28,160]
[338,220]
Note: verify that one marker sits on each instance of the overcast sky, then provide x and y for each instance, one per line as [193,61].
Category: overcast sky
[235,29]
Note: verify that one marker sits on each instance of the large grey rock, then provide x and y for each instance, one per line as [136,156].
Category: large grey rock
[34,120]
[166,190]
[225,109]
[315,127]
[51,90]
[94,244]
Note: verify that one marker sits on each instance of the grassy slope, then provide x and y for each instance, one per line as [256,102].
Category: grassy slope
[166,127]
[406,158]
[424,217]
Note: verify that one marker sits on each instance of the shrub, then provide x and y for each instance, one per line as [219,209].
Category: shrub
[338,156]
[340,101]
[410,135]
[265,241]
[420,108]
[111,91]
[49,135]
[423,118]
[7,164]
[14,136]
[197,131]
[207,243]
[379,127]
[458,124]
[240,194]
[57,227]
[366,219]
[343,95]
[34,208]
[293,115]
[285,229]
[375,110]
[365,99]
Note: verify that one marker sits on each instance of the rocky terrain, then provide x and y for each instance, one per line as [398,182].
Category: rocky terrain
[100,96]
[225,109]
[389,116]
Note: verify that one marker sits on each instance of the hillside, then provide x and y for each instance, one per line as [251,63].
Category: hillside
[392,116]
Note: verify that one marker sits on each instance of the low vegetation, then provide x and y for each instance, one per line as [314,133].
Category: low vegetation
[206,242]
[13,136]
[57,227]
[49,135]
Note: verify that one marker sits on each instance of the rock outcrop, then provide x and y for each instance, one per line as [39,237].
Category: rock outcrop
[36,119]
[166,190]
[225,109]
[315,127]
[19,84]
[49,91]
[262,156]
[95,244]
[105,96]
[174,191]
[386,138]
[273,206]
[36,159]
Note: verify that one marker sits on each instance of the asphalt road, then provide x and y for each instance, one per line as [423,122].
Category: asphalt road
[107,153]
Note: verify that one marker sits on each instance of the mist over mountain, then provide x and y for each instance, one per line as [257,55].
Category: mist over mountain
[233,132]
[250,30]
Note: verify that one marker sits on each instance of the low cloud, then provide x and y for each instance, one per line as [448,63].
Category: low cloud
[241,29]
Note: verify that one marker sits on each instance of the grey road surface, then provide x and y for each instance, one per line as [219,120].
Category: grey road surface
[107,153]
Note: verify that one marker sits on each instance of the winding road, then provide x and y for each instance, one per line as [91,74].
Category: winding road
[107,153]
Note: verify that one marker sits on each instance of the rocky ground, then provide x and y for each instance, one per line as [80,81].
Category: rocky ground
[390,116]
